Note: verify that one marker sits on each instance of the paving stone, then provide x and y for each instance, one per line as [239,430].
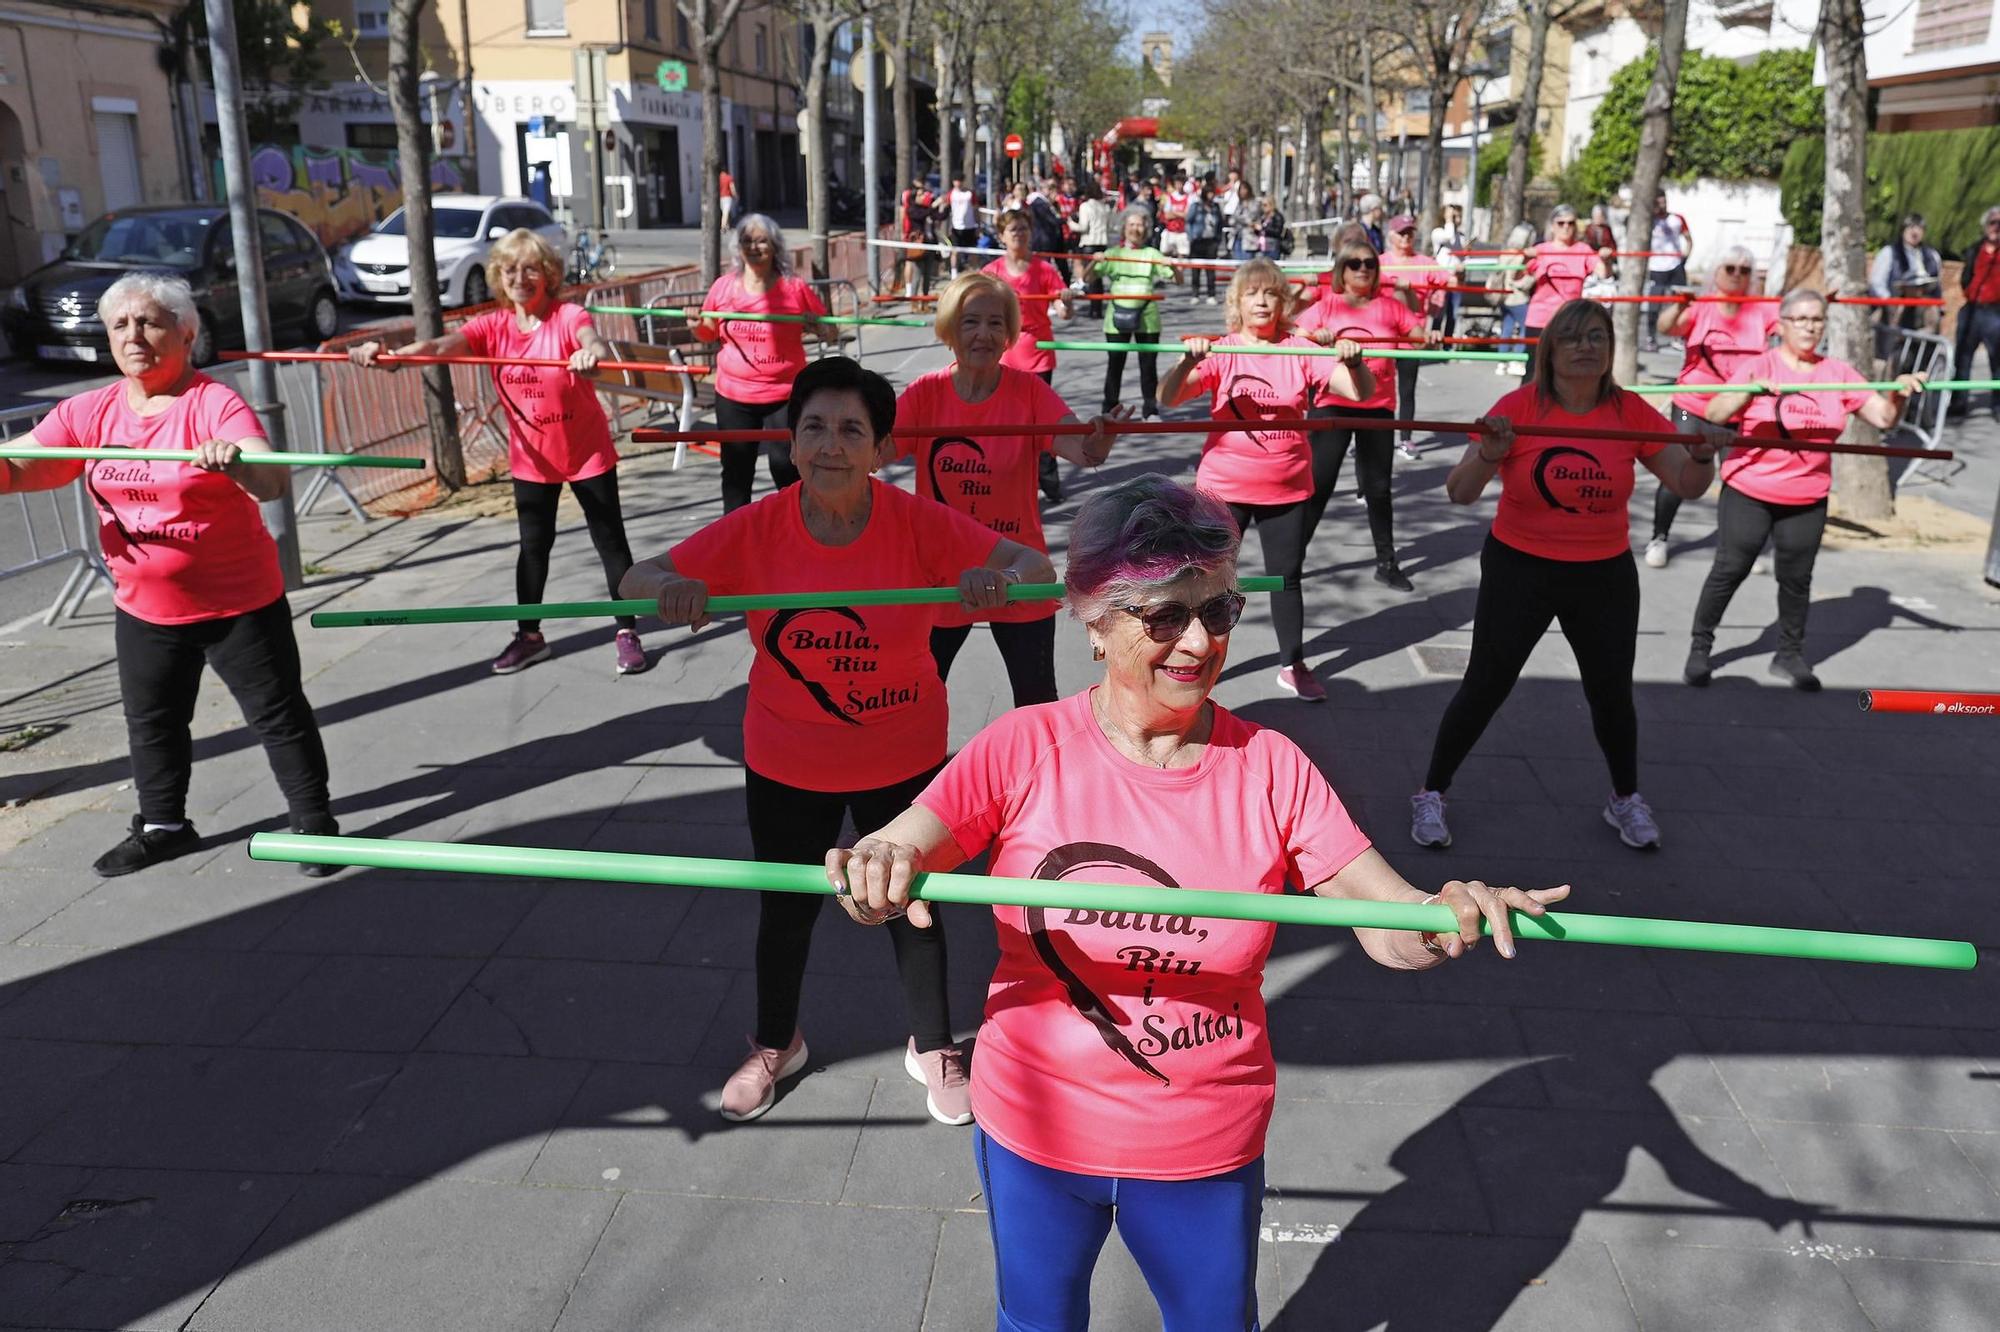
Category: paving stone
[1362,1051]
[1850,1074]
[1676,1287]
[381,912]
[904,1158]
[1938,1297]
[460,1117]
[154,996]
[1398,1167]
[582,1010]
[42,1078]
[364,1003]
[30,897]
[656,1129]
[611,922]
[1628,1061]
[1947,1208]
[198,1108]
[679,1262]
[140,1249]
[22,968]
[367,1254]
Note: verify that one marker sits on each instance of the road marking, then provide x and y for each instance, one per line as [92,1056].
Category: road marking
[1299,1234]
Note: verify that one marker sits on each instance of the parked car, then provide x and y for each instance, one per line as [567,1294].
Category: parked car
[52,314]
[375,268]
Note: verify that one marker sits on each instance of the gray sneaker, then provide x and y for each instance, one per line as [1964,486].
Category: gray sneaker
[1427,826]
[1633,818]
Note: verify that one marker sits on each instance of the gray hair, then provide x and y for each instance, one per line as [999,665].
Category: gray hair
[1141,535]
[1560,212]
[1368,204]
[1735,254]
[170,293]
[781,257]
[1992,215]
[1798,296]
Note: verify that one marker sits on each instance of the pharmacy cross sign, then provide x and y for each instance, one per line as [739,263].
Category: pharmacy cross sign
[671,75]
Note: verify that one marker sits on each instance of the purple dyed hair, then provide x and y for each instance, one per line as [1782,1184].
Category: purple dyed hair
[1140,535]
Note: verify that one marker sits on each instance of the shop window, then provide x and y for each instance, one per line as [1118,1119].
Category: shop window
[546,19]
[371,19]
[651,11]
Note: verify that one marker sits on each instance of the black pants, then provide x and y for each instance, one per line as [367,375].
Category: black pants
[1533,345]
[1742,524]
[535,512]
[1597,604]
[1659,284]
[792,826]
[1284,531]
[1047,472]
[739,461]
[1203,249]
[1373,451]
[1406,391]
[1149,371]
[1978,326]
[257,656]
[1028,647]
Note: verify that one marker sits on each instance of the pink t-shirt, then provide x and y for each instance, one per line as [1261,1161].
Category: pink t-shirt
[1718,342]
[1780,476]
[1037,325]
[556,430]
[1252,466]
[1559,271]
[183,545]
[759,361]
[1564,499]
[844,699]
[1121,1044]
[1385,316]
[1418,279]
[989,478]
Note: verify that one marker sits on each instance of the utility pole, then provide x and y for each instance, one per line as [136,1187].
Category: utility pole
[871,184]
[471,139]
[279,515]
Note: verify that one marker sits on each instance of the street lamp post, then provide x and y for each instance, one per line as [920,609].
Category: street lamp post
[1478,77]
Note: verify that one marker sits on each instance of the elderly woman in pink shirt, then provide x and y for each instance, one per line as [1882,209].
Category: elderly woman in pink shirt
[1124,1073]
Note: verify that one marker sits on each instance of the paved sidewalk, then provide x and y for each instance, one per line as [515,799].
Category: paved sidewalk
[231,1098]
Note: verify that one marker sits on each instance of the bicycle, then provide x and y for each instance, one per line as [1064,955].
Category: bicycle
[592,259]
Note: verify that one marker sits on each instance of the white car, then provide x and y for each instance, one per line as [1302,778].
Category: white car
[375,268]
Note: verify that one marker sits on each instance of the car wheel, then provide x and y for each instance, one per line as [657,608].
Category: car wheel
[203,351]
[322,317]
[476,291]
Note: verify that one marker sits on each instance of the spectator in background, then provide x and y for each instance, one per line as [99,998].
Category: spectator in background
[1909,267]
[1369,212]
[1174,240]
[1446,242]
[1046,222]
[1599,235]
[964,219]
[1979,317]
[1204,228]
[1667,268]
[727,188]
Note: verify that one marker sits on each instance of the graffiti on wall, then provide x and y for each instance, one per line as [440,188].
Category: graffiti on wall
[338,192]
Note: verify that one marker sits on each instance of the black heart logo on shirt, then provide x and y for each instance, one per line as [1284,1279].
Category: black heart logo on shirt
[858,641]
[1583,481]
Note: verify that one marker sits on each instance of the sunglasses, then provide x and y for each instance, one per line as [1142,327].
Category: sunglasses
[1363,265]
[1736,268]
[1166,621]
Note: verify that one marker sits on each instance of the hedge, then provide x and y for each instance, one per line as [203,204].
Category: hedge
[1950,176]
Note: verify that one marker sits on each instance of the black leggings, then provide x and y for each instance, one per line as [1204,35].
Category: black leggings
[1028,647]
[1406,390]
[1373,452]
[1665,503]
[1202,249]
[1597,604]
[792,826]
[1284,530]
[1742,524]
[739,461]
[535,511]
[1534,343]
[1149,371]
[257,656]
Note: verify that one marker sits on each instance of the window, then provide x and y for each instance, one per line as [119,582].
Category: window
[371,19]
[274,236]
[301,238]
[763,54]
[1417,100]
[380,138]
[681,39]
[1943,24]
[651,11]
[545,19]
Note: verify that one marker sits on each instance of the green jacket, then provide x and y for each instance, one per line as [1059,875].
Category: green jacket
[1133,273]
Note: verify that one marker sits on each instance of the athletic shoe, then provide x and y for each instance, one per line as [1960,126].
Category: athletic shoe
[1407,449]
[1633,818]
[317,825]
[1213,301]
[1152,414]
[1298,678]
[1697,672]
[1656,553]
[1761,565]
[1501,367]
[523,652]
[632,658]
[752,1088]
[141,848]
[1387,574]
[1427,826]
[1518,369]
[947,1086]
[1792,667]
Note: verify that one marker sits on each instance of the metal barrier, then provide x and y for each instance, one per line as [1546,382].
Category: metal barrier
[1928,354]
[45,521]
[833,287]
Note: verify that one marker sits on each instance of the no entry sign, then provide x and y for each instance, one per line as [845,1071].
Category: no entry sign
[1011,145]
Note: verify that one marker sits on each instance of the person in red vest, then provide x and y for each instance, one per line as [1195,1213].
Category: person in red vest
[1979,317]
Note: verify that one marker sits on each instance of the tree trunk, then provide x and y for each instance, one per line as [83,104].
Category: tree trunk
[413,163]
[1433,166]
[1368,110]
[1312,156]
[968,149]
[947,71]
[1514,194]
[1863,483]
[1655,134]
[1344,187]
[708,54]
[819,170]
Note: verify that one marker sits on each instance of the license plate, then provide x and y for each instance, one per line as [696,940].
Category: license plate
[55,352]
[382,284]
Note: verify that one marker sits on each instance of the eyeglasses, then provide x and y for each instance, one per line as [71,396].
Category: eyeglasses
[1736,268]
[1365,265]
[1803,321]
[1565,222]
[1166,621]
[1596,337]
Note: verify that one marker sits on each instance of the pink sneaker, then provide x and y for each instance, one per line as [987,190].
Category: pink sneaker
[632,659]
[1299,679]
[523,652]
[752,1088]
[947,1086]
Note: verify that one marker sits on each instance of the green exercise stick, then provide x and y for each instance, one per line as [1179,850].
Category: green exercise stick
[1877,385]
[188,456]
[1066,895]
[1232,350]
[640,311]
[581,610]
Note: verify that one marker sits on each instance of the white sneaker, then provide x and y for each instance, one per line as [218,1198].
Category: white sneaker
[1518,369]
[1656,553]
[1407,449]
[1633,818]
[1213,301]
[1762,565]
[1427,826]
[1500,367]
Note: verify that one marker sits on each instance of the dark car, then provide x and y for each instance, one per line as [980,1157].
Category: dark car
[52,313]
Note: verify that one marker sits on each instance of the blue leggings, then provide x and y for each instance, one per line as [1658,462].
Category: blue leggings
[1195,1241]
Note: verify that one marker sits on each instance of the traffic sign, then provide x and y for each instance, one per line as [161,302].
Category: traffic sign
[1011,145]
